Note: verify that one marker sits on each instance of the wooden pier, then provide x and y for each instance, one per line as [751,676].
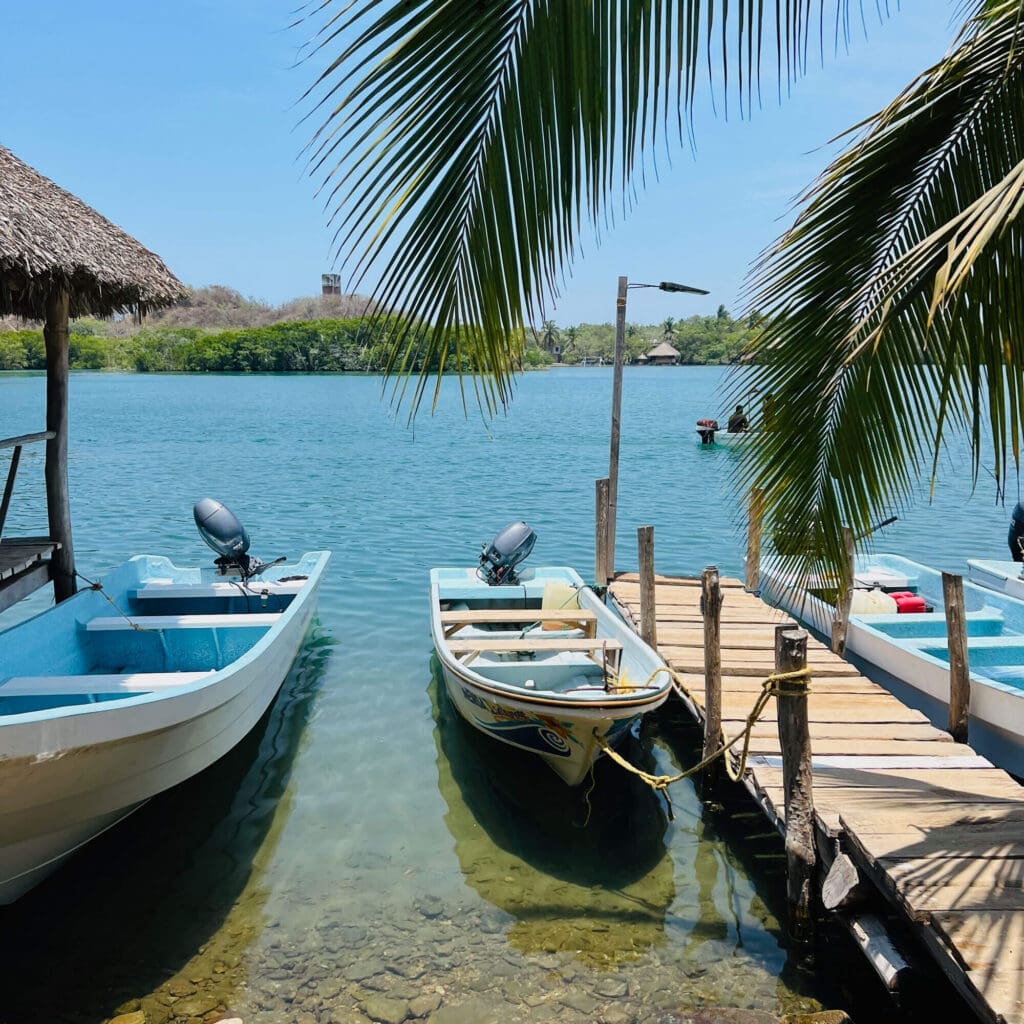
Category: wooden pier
[934,826]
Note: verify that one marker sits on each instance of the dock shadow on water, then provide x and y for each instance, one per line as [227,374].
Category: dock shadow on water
[584,870]
[173,890]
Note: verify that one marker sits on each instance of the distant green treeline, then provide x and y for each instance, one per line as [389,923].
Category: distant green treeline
[347,345]
[315,346]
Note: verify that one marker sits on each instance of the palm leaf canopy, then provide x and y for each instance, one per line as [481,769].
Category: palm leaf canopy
[464,147]
[895,303]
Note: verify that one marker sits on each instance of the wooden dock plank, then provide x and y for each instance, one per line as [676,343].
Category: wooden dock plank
[938,829]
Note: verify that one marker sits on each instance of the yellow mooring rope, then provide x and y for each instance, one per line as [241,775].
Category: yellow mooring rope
[769,688]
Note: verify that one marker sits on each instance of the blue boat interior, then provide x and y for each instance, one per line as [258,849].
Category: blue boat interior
[153,627]
[994,621]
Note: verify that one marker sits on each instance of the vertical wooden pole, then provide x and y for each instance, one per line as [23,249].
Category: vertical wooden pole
[601,533]
[753,573]
[844,598]
[711,607]
[613,456]
[58,504]
[648,613]
[12,472]
[959,667]
[795,741]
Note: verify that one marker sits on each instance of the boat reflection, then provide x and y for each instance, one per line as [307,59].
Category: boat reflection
[175,884]
[585,869]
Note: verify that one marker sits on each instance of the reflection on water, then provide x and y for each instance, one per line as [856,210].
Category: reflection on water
[175,888]
[582,869]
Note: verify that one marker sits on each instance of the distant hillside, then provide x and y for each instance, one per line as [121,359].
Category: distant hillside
[218,307]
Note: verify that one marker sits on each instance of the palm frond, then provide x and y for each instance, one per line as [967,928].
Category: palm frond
[895,304]
[464,146]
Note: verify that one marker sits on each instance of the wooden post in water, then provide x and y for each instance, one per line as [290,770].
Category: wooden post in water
[711,607]
[648,613]
[601,533]
[844,597]
[613,453]
[795,741]
[753,573]
[58,504]
[959,667]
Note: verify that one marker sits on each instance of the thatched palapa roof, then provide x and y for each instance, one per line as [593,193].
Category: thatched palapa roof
[52,241]
[663,351]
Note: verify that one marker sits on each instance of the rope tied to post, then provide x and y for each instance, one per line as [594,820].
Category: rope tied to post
[98,586]
[775,685]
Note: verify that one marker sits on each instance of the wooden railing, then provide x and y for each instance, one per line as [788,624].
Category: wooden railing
[17,443]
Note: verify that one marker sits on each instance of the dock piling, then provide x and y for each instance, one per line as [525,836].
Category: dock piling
[601,574]
[959,667]
[756,512]
[711,607]
[648,613]
[844,598]
[795,742]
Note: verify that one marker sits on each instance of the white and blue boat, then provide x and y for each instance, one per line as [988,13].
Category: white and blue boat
[536,659]
[911,648]
[128,688]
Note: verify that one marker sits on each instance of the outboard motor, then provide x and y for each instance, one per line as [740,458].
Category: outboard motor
[498,560]
[706,429]
[223,532]
[1015,538]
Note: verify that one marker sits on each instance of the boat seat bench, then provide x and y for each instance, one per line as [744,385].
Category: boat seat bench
[572,617]
[552,645]
[156,622]
[155,590]
[130,682]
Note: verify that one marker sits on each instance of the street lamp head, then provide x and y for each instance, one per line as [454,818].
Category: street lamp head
[671,286]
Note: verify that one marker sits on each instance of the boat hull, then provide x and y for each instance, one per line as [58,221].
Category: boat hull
[567,734]
[917,658]
[66,778]
[567,743]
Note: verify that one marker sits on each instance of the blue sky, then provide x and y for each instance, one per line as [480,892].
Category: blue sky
[180,122]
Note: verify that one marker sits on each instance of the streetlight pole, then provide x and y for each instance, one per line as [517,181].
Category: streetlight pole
[613,456]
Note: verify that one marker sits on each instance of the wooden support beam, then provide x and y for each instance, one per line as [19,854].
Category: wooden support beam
[58,503]
[648,613]
[601,574]
[795,742]
[959,667]
[753,569]
[12,472]
[711,606]
[844,599]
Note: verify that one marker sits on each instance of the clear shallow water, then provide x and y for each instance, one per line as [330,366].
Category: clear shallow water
[361,854]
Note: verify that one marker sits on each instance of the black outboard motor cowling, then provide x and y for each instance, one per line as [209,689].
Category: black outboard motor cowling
[1015,538]
[224,533]
[498,560]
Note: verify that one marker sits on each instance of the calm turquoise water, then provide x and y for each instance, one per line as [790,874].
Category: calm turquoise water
[361,856]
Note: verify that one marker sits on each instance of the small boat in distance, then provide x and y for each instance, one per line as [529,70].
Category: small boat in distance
[536,660]
[710,433]
[897,622]
[136,684]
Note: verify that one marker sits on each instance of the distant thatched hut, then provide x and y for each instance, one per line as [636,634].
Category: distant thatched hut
[60,258]
[662,355]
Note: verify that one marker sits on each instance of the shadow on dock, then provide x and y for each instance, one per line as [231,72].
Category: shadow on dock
[143,900]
